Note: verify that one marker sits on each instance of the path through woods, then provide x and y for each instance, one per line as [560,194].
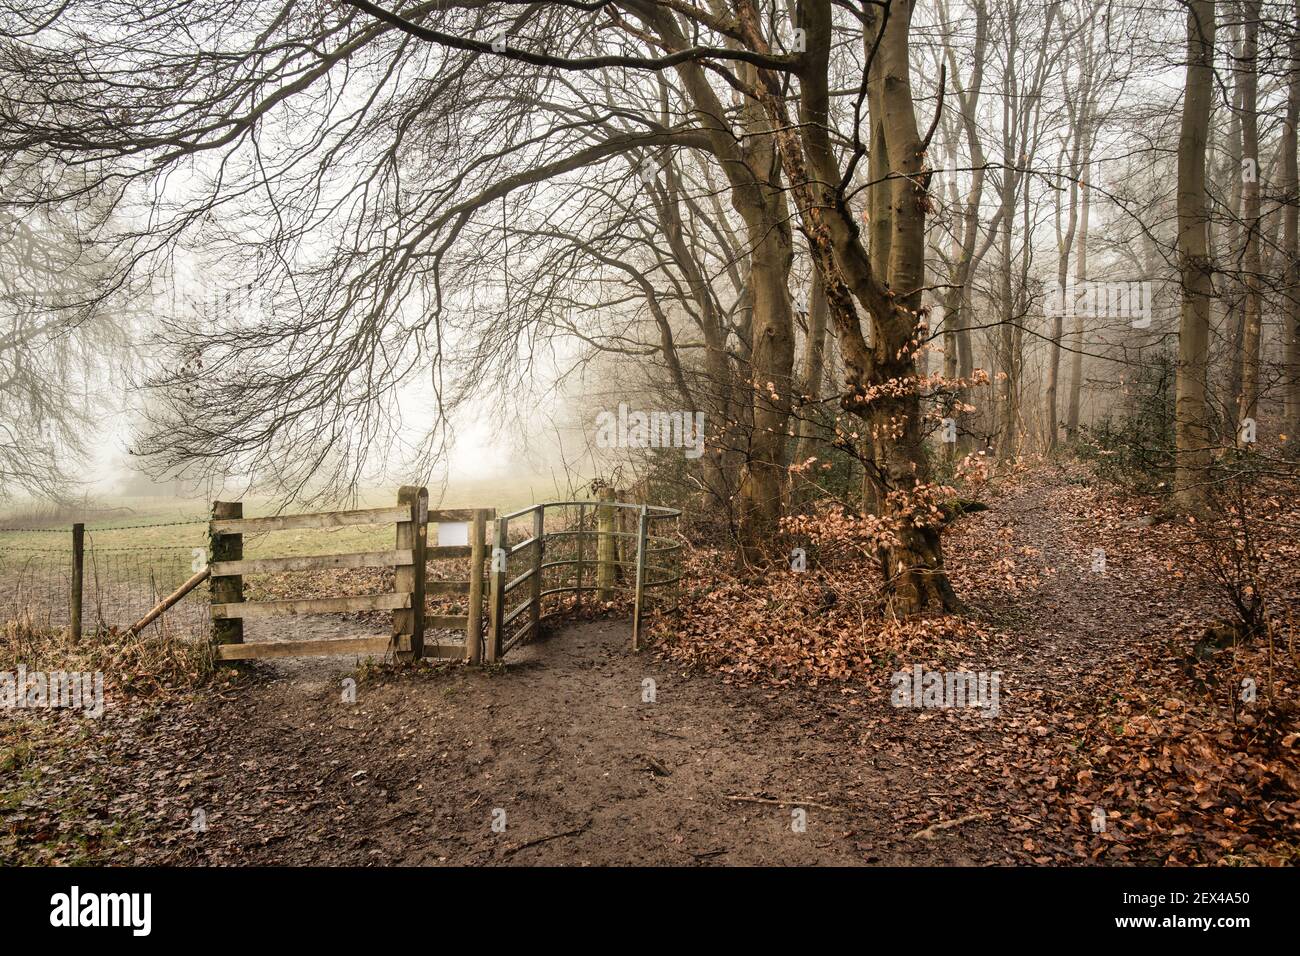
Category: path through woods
[588,773]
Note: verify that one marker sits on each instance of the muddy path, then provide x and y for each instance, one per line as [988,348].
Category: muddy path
[562,746]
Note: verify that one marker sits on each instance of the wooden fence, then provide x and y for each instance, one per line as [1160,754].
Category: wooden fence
[601,551]
[408,558]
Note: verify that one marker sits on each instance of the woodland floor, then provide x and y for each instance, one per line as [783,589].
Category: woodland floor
[587,773]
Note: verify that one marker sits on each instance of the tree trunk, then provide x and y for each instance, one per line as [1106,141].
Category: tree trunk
[880,373]
[1251,317]
[1080,277]
[1229,300]
[763,480]
[913,560]
[1291,245]
[814,368]
[1192,467]
[1063,243]
[753,171]
[1006,384]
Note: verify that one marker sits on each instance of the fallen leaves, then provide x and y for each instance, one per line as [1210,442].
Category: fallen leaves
[1107,708]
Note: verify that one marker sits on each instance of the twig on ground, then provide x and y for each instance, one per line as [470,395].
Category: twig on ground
[948,825]
[781,801]
[546,839]
[655,767]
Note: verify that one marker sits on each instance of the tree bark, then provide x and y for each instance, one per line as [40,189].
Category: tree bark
[1251,313]
[814,368]
[1080,276]
[1291,244]
[1080,113]
[1191,425]
[958,306]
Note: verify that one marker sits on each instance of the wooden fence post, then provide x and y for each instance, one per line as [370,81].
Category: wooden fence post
[412,535]
[577,594]
[606,552]
[226,588]
[78,566]
[474,624]
[641,538]
[535,582]
[497,595]
[623,541]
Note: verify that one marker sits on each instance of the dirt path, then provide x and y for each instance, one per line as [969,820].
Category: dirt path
[561,745]
[561,740]
[1062,646]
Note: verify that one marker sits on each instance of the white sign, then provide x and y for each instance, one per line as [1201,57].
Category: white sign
[452,533]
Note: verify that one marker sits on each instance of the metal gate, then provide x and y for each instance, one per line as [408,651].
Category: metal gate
[604,547]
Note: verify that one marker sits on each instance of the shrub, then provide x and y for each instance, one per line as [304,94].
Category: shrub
[1133,446]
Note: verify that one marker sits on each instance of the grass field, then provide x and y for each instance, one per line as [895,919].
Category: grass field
[113,523]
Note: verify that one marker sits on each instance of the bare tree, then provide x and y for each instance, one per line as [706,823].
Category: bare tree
[1080,105]
[59,336]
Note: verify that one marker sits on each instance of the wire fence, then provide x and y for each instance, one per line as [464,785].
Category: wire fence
[122,578]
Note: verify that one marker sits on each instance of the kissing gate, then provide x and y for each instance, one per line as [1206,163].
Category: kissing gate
[554,549]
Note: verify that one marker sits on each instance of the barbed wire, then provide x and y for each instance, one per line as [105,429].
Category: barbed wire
[94,547]
[152,547]
[122,527]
